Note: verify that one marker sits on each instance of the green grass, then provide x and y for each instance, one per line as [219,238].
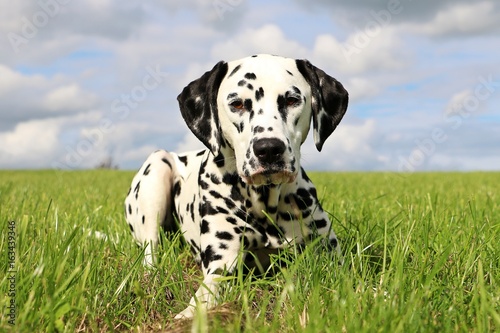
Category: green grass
[422,254]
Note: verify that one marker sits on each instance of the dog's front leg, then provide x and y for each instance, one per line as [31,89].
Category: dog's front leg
[220,249]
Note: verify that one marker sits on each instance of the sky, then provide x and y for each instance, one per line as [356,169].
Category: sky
[83,81]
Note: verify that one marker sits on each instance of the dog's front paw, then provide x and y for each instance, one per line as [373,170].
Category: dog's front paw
[187,313]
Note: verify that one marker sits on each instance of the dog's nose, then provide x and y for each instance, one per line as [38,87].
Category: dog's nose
[269,150]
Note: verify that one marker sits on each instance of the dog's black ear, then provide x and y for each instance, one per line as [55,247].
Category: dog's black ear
[198,104]
[329,101]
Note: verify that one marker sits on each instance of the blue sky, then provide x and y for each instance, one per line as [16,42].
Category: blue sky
[84,80]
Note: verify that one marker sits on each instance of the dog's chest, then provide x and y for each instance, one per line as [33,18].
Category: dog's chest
[263,217]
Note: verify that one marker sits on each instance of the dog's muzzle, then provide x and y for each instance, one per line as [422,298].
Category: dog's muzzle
[272,169]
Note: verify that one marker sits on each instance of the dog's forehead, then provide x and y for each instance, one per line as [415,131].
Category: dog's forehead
[261,69]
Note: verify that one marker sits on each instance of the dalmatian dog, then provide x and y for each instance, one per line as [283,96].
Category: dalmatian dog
[245,196]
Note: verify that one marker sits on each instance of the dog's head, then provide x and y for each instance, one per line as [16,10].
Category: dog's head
[261,107]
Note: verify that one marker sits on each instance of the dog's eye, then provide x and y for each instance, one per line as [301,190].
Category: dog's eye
[292,101]
[237,104]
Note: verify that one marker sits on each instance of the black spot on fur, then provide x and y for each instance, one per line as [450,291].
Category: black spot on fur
[222,210]
[214,179]
[183,159]
[303,199]
[281,101]
[207,208]
[203,184]
[241,215]
[246,242]
[272,209]
[313,192]
[249,86]
[319,224]
[237,68]
[224,235]
[192,210]
[215,194]
[203,167]
[289,73]
[286,216]
[229,203]
[231,220]
[201,152]
[194,247]
[304,175]
[236,194]
[167,162]
[263,194]
[258,129]
[248,104]
[259,93]
[274,231]
[136,189]
[177,189]
[250,76]
[204,227]
[209,256]
[143,219]
[147,170]
[242,83]
[230,179]
[129,209]
[334,243]
[131,227]
[252,114]
[219,160]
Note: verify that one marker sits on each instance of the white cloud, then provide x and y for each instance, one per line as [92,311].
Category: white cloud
[68,98]
[29,144]
[26,97]
[362,51]
[361,88]
[465,103]
[12,81]
[462,19]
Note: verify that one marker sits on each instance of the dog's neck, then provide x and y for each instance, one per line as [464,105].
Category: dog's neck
[264,198]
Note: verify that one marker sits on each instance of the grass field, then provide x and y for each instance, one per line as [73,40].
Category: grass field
[422,254]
